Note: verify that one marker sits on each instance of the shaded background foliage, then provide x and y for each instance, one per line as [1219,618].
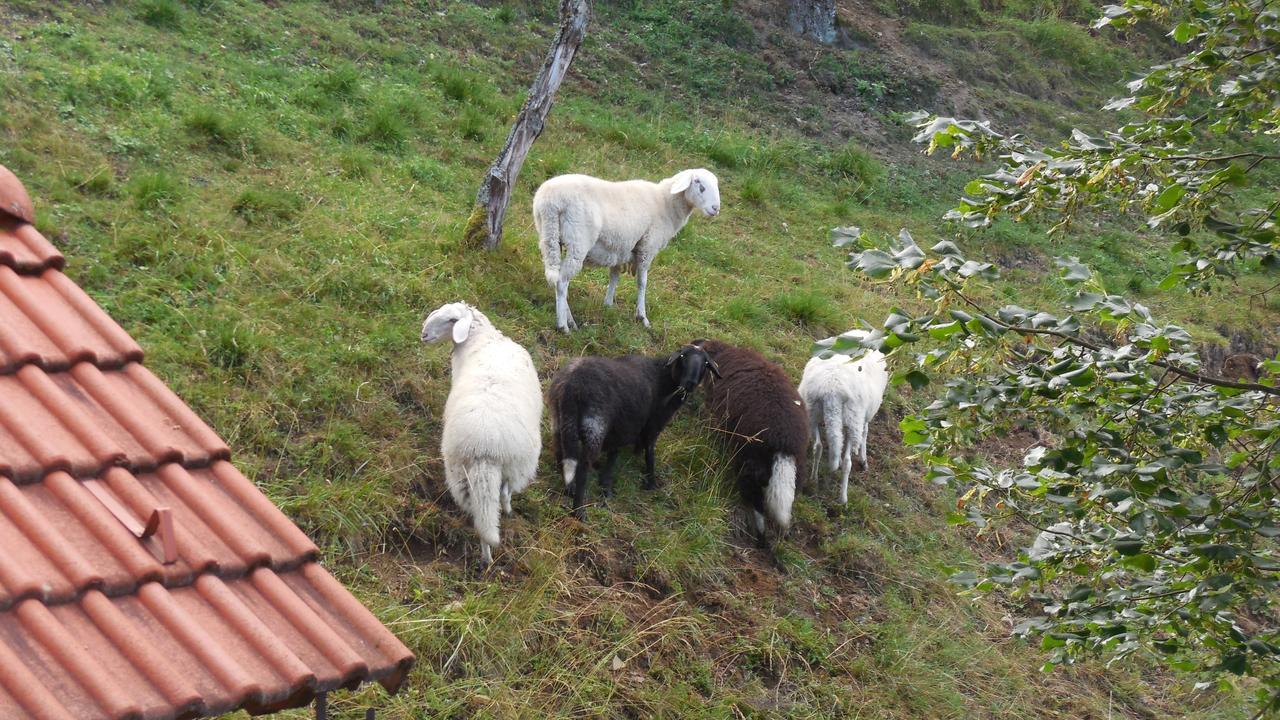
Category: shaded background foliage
[1151,480]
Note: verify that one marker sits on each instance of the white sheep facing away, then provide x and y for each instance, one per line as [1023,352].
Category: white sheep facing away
[585,220]
[842,395]
[492,419]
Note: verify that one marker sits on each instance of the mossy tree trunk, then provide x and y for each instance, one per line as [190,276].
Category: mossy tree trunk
[485,225]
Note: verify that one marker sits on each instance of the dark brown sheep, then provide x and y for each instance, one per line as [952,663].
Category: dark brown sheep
[761,417]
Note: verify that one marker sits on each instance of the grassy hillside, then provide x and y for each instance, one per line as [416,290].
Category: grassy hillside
[270,196]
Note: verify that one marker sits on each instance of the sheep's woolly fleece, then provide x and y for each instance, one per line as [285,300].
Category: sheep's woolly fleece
[585,220]
[492,418]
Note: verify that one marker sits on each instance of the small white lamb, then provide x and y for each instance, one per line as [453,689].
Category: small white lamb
[842,396]
[583,219]
[492,419]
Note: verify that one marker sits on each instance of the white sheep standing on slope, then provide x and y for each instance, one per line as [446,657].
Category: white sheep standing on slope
[492,419]
[842,395]
[583,219]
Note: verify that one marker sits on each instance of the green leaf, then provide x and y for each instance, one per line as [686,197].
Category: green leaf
[971,268]
[842,236]
[944,330]
[1183,32]
[1169,197]
[1215,551]
[1072,270]
[1141,561]
[1128,547]
[1084,301]
[987,324]
[1236,663]
[917,378]
[876,263]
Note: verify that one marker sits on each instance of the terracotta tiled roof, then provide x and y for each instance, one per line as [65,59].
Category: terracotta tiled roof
[224,607]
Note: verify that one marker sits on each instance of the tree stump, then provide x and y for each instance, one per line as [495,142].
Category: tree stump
[814,19]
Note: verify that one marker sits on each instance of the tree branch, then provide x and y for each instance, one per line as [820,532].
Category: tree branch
[1215,158]
[1081,342]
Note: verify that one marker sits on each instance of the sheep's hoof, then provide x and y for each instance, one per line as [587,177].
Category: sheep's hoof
[643,320]
[777,561]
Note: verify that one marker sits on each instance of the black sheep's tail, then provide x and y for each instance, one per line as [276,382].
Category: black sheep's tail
[578,441]
[781,492]
[569,442]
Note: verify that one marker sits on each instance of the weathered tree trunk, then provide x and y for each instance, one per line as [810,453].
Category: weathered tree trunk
[485,224]
[814,18]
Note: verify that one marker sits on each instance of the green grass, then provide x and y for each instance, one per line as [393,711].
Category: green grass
[272,222]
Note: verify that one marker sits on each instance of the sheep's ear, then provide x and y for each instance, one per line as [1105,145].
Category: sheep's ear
[681,183]
[674,357]
[715,369]
[462,328]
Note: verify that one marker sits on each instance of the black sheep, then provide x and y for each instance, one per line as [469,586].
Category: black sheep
[763,420]
[603,404]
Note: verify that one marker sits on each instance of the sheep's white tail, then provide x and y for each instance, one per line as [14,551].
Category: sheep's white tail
[833,429]
[781,491]
[484,482]
[549,243]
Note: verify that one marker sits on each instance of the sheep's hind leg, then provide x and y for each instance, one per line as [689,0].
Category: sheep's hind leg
[642,282]
[506,497]
[564,317]
[816,446]
[650,469]
[762,536]
[862,444]
[613,286]
[579,489]
[486,555]
[606,473]
[846,466]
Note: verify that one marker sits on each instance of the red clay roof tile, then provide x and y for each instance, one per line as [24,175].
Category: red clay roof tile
[24,249]
[206,648]
[84,421]
[49,321]
[93,623]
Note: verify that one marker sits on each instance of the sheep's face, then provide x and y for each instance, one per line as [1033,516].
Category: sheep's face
[700,188]
[688,366]
[452,320]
